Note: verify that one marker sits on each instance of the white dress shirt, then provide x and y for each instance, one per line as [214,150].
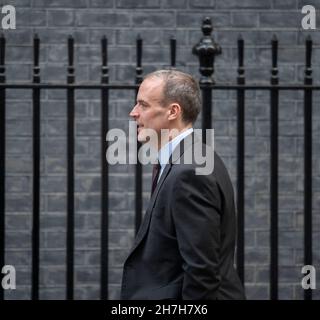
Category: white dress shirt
[165,152]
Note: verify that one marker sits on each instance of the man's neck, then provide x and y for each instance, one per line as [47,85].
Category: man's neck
[171,134]
[165,152]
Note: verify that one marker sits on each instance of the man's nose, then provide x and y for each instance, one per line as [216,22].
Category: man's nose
[134,112]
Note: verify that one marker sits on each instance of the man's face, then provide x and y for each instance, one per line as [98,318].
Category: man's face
[148,111]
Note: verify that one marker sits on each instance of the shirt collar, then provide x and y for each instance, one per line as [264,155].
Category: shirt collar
[165,152]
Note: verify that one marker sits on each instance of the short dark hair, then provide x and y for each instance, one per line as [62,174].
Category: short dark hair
[181,88]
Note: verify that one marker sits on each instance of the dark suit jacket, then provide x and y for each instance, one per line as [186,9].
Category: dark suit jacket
[185,246]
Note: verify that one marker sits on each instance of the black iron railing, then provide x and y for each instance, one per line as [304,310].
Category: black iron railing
[206,50]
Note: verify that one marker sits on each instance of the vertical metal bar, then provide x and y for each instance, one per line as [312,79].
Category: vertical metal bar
[206,110]
[36,171]
[70,173]
[274,173]
[2,156]
[206,50]
[240,161]
[104,171]
[173,51]
[308,163]
[138,182]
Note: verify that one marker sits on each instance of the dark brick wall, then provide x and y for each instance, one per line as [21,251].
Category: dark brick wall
[155,20]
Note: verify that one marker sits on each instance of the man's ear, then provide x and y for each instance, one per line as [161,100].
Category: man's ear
[174,111]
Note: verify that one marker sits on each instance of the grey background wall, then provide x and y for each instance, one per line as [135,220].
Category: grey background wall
[155,20]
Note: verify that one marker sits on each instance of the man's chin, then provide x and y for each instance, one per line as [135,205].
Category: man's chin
[146,139]
[143,139]
[143,136]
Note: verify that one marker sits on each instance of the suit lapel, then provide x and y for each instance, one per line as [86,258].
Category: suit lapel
[175,157]
[146,220]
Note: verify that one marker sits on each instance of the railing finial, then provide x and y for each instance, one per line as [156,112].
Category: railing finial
[206,50]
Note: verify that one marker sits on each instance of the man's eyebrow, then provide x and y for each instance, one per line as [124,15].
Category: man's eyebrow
[142,102]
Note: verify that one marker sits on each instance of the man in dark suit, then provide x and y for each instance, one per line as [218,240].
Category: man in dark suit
[185,246]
